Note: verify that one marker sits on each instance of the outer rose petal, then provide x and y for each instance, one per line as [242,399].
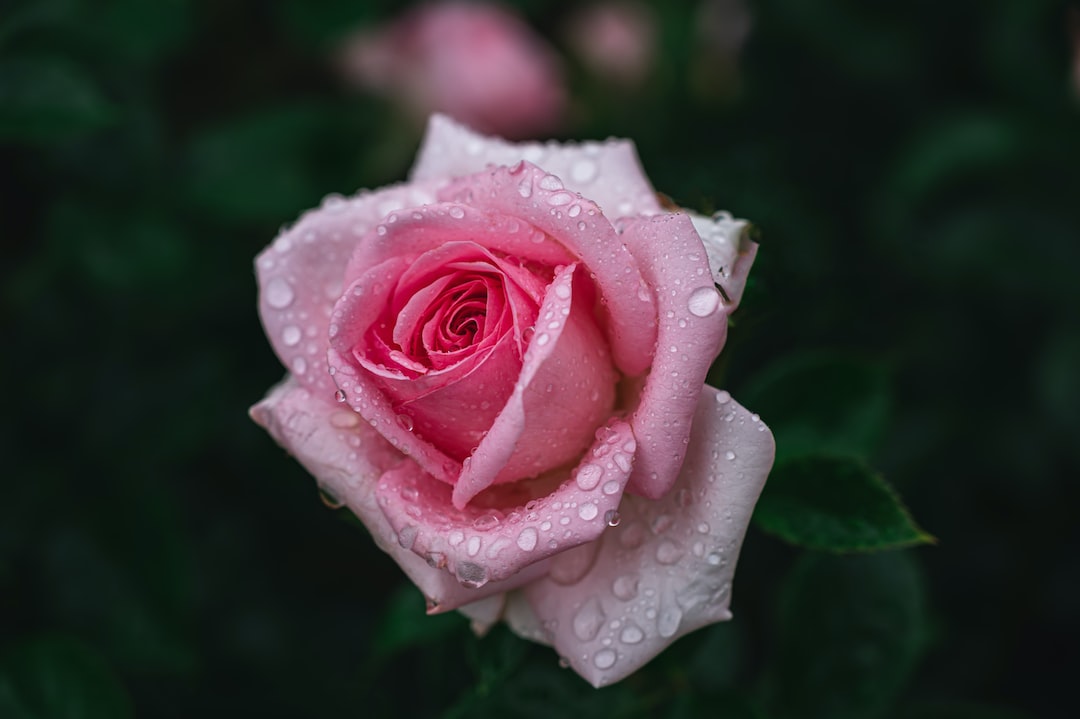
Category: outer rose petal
[693,325]
[480,545]
[730,251]
[300,276]
[666,570]
[609,172]
[346,456]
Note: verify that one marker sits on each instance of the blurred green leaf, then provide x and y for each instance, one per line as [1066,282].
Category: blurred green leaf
[822,403]
[850,632]
[404,623]
[262,167]
[835,504]
[49,98]
[60,678]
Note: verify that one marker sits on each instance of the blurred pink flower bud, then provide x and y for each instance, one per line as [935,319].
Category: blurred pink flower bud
[476,62]
[615,40]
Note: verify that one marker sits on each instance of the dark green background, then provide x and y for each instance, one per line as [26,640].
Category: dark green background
[913,167]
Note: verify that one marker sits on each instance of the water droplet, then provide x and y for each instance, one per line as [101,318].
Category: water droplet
[543,339]
[560,198]
[471,575]
[407,536]
[583,171]
[550,183]
[455,537]
[291,336]
[703,528]
[611,487]
[485,523]
[631,634]
[714,559]
[625,587]
[729,455]
[668,622]
[661,523]
[563,663]
[562,291]
[299,365]
[574,211]
[589,476]
[340,395]
[527,539]
[456,212]
[703,301]
[723,397]
[525,187]
[588,620]
[405,422]
[612,518]
[473,546]
[623,461]
[605,659]
[278,293]
[588,511]
[668,552]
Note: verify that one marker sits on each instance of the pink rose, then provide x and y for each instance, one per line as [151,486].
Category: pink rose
[616,40]
[476,62]
[499,367]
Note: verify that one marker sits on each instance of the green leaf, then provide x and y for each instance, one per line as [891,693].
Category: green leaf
[60,678]
[835,504]
[48,98]
[850,632]
[404,623]
[963,711]
[822,402]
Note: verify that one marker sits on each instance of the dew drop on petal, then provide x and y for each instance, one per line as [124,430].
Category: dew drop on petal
[291,335]
[605,658]
[723,397]
[588,620]
[279,294]
[456,212]
[631,634]
[729,455]
[703,301]
[667,624]
[550,183]
[588,511]
[527,539]
[611,517]
[625,587]
[405,422]
[611,487]
[589,476]
[340,395]
[562,291]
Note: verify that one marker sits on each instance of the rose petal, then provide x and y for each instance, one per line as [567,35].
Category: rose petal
[300,276]
[359,306]
[566,388]
[485,613]
[609,172]
[667,568]
[481,544]
[420,229]
[525,191]
[693,325]
[346,456]
[731,252]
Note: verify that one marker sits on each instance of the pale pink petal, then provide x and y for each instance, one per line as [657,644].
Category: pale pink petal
[566,388]
[359,306]
[519,616]
[525,191]
[420,229]
[346,457]
[609,173]
[666,570]
[731,252]
[693,324]
[301,275]
[481,544]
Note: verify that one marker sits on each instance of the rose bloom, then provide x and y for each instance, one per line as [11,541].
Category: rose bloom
[499,367]
[615,40]
[476,62]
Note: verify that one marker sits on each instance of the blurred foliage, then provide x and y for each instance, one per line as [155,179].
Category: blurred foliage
[914,167]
